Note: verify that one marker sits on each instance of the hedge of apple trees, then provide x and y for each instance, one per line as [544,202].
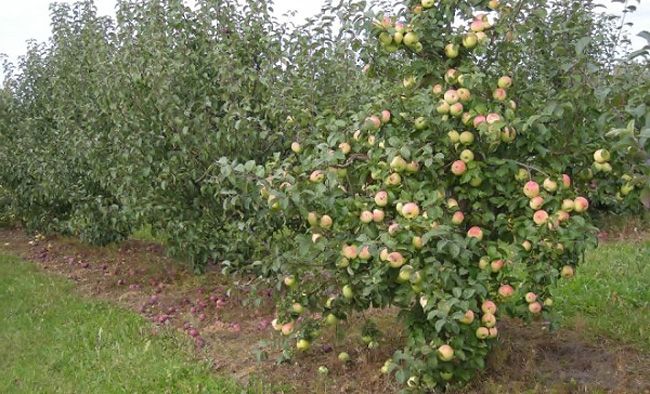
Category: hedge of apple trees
[436,156]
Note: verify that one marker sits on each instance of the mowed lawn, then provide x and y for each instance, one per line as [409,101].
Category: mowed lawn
[610,294]
[54,341]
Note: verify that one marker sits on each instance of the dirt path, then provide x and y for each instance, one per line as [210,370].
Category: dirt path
[230,323]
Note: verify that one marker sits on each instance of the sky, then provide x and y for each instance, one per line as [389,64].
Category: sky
[22,20]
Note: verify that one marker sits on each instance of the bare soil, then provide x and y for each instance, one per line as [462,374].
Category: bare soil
[232,319]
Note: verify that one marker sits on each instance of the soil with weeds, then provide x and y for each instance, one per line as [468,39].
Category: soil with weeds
[230,323]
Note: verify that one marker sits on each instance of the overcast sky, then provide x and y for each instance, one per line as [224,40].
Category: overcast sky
[22,20]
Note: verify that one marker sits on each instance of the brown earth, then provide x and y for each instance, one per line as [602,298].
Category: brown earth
[232,319]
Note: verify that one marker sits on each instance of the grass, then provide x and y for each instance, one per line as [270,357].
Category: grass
[52,340]
[610,295]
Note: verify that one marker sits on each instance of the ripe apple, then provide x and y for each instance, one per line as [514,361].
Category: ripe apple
[326,221]
[458,167]
[470,40]
[567,272]
[493,118]
[456,109]
[535,308]
[482,333]
[417,242]
[420,123]
[295,147]
[499,94]
[393,179]
[317,176]
[395,259]
[437,89]
[372,123]
[466,138]
[445,353]
[562,216]
[506,291]
[497,265]
[468,317]
[477,25]
[580,204]
[493,332]
[365,254]
[290,281]
[410,39]
[493,4]
[540,217]
[464,94]
[410,210]
[550,185]
[451,96]
[475,232]
[451,76]
[489,320]
[347,292]
[536,202]
[451,50]
[349,252]
[457,218]
[345,147]
[478,120]
[287,328]
[531,189]
[366,217]
[297,308]
[504,82]
[393,228]
[443,107]
[381,198]
[530,297]
[489,306]
[601,156]
[378,215]
[385,116]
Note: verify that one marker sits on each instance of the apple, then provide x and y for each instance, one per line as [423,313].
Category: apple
[567,205]
[428,3]
[400,27]
[323,370]
[437,89]
[378,215]
[601,156]
[475,232]
[467,155]
[297,308]
[493,118]
[417,242]
[531,189]
[466,138]
[550,185]
[451,76]
[326,221]
[499,94]
[445,353]
[458,167]
[383,254]
[312,219]
[540,217]
[410,39]
[535,308]
[405,274]
[477,25]
[567,272]
[395,259]
[365,254]
[451,96]
[381,198]
[548,302]
[506,291]
[482,37]
[443,107]
[489,306]
[470,40]
[317,176]
[393,179]
[345,147]
[464,94]
[451,50]
[497,265]
[530,297]
[372,123]
[420,123]
[413,167]
[493,332]
[287,329]
[466,118]
[521,175]
[290,281]
[580,204]
[385,38]
[347,292]
[385,116]
[484,262]
[536,202]
[456,109]
[468,317]
[527,245]
[489,320]
[457,218]
[410,210]
[344,357]
[508,134]
[452,204]
[409,82]
[366,217]
[482,333]
[295,147]
[563,216]
[349,252]
[504,82]
[493,4]
[393,228]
